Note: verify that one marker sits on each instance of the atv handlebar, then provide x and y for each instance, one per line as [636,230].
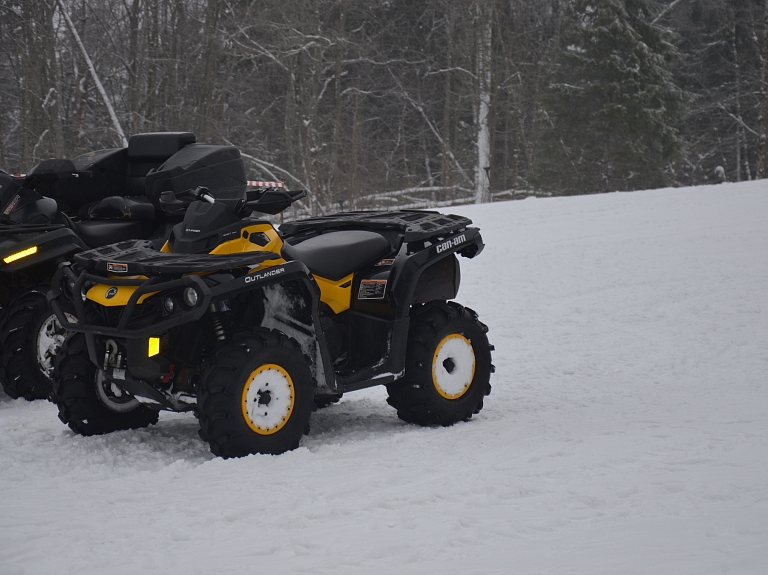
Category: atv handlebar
[173,206]
[263,200]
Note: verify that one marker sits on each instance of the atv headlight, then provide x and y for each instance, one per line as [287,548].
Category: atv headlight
[190,297]
[168,305]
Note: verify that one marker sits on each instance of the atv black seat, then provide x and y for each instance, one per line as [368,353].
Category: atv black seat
[105,232]
[338,254]
[417,225]
[120,208]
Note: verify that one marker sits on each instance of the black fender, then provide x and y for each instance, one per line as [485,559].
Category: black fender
[49,246]
[408,269]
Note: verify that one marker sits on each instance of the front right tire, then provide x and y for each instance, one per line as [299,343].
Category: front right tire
[89,404]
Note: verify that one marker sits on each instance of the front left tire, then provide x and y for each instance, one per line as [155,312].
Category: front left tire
[256,396]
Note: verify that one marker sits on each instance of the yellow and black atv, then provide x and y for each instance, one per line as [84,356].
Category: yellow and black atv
[65,206]
[252,329]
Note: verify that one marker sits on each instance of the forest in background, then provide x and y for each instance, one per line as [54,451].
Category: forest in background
[401,103]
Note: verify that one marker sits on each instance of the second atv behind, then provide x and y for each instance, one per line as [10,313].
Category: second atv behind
[251,328]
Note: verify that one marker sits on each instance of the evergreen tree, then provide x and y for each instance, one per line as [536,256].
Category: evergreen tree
[724,48]
[613,105]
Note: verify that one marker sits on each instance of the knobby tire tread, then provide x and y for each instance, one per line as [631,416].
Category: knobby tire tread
[221,422]
[19,373]
[414,396]
[74,392]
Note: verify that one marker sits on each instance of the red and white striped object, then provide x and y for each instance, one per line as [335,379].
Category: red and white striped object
[252,184]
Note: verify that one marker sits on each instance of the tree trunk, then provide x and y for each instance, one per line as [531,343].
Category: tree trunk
[207,85]
[734,49]
[446,169]
[763,97]
[482,169]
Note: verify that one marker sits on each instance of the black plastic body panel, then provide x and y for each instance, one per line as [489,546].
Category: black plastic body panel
[50,245]
[115,171]
[218,168]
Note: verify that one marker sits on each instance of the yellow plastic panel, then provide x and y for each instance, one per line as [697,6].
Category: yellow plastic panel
[242,244]
[336,293]
[98,294]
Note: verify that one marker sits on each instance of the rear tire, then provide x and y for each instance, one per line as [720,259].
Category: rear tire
[30,338]
[80,393]
[240,414]
[447,367]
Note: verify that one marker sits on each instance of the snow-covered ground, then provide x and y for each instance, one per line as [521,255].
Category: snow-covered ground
[627,431]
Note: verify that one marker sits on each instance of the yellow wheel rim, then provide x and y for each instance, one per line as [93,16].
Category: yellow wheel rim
[453,366]
[267,399]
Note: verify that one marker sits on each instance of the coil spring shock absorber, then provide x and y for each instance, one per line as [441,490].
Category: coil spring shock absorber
[219,316]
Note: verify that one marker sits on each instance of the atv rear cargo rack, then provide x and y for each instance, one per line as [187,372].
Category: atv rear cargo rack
[417,225]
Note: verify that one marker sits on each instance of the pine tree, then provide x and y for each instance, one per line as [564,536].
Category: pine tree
[613,104]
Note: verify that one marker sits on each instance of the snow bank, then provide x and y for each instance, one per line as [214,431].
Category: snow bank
[627,431]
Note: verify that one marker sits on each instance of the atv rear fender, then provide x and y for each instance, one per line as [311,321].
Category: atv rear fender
[414,258]
[407,270]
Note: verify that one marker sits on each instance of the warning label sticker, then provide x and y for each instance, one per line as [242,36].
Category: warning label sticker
[12,205]
[372,289]
[117,268]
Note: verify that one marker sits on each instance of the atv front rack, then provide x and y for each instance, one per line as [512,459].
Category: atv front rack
[133,258]
[157,272]
[417,225]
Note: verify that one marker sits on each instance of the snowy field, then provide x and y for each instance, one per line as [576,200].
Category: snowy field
[627,430]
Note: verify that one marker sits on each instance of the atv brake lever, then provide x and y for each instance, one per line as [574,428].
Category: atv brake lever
[170,204]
